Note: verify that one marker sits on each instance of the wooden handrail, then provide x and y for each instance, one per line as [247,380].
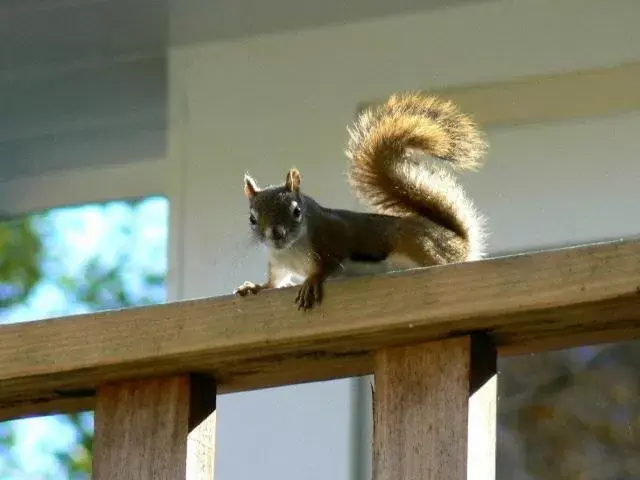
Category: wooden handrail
[523,303]
[430,336]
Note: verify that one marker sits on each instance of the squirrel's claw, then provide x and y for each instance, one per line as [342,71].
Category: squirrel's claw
[309,294]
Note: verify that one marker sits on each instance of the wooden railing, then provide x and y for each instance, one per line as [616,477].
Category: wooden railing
[430,336]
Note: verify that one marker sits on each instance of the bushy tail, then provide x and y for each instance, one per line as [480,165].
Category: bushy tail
[385,172]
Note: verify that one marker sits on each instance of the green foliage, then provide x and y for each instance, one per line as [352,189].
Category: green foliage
[103,288]
[20,255]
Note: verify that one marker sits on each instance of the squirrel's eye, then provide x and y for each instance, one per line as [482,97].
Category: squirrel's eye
[296,212]
[252,219]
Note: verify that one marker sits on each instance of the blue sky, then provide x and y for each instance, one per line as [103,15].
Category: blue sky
[72,236]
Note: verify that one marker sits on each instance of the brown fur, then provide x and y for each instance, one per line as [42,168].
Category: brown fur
[386,172]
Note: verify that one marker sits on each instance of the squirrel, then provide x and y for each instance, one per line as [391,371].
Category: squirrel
[423,218]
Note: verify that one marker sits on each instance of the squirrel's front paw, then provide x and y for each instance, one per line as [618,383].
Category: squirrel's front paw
[247,287]
[310,293]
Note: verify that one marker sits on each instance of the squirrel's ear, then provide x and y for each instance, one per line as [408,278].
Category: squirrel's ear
[293,180]
[250,186]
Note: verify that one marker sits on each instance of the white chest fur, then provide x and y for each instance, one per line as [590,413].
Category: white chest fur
[296,260]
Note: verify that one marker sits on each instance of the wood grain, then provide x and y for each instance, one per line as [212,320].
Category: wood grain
[142,429]
[529,302]
[422,419]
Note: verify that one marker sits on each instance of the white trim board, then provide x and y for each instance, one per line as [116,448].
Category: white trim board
[81,186]
[544,98]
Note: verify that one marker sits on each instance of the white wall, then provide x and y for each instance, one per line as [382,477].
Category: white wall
[561,182]
[267,103]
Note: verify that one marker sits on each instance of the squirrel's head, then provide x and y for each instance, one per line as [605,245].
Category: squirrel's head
[276,213]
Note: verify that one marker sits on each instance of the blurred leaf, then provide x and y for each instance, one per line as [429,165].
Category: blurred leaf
[20,255]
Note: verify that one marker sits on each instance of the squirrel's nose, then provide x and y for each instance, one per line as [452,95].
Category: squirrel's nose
[278,233]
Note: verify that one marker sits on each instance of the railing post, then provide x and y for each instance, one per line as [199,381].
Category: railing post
[435,411]
[156,429]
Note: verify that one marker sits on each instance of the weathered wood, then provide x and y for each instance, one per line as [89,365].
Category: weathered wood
[156,429]
[433,403]
[525,303]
